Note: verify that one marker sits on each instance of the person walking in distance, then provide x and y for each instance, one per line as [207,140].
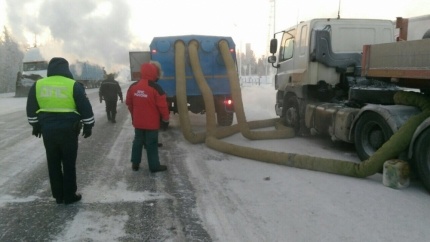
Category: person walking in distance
[149,111]
[57,107]
[110,91]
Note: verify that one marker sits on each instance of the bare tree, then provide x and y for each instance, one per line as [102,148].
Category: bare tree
[11,57]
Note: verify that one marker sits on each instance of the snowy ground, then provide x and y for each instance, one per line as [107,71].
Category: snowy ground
[246,200]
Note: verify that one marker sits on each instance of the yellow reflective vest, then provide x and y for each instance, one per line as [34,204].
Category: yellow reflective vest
[55,94]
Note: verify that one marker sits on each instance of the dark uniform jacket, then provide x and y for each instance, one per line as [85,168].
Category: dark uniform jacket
[59,120]
[110,90]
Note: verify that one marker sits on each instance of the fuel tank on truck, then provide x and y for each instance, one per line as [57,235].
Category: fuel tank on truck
[333,119]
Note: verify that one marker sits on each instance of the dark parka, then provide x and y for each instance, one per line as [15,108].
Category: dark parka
[60,67]
[56,106]
[110,89]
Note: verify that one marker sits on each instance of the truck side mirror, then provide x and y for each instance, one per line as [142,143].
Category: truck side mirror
[273,46]
[271,59]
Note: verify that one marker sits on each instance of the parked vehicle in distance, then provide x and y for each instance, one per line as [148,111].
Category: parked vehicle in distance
[34,67]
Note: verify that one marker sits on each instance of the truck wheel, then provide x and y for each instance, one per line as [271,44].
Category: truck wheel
[371,132]
[426,34]
[422,158]
[224,118]
[291,113]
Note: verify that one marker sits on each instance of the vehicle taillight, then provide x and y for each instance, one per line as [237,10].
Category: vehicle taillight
[228,102]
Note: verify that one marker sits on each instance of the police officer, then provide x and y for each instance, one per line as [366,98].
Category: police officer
[110,91]
[57,107]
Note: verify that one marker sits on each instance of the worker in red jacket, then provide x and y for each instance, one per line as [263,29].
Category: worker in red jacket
[147,104]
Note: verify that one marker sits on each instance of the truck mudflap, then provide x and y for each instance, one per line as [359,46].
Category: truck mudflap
[278,110]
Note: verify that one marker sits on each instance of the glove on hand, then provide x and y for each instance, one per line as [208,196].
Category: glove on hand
[164,125]
[37,130]
[87,132]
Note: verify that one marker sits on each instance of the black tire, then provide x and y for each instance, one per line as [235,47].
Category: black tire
[371,132]
[422,158]
[291,113]
[426,34]
[224,118]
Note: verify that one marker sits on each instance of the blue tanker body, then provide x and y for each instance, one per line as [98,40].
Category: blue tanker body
[162,49]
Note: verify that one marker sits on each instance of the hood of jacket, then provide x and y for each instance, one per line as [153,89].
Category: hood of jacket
[149,71]
[59,67]
[110,77]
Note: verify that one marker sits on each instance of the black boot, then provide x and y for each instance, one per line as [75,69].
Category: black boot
[76,198]
[113,118]
[108,116]
[160,168]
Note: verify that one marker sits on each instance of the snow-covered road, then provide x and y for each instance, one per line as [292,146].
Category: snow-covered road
[204,196]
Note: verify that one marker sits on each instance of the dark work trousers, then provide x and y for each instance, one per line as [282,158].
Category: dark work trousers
[61,152]
[149,138]
[111,108]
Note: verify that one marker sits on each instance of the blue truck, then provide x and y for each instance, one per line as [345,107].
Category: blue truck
[162,49]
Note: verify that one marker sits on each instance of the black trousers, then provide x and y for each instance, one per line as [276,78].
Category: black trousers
[61,152]
[111,107]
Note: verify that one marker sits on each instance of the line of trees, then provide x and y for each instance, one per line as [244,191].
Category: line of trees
[11,55]
[249,65]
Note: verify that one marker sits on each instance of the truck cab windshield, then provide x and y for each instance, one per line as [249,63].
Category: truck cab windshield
[35,66]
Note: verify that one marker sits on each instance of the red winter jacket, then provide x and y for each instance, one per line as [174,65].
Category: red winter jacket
[146,100]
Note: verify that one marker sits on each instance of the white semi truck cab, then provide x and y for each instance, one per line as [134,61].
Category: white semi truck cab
[34,67]
[319,61]
[324,49]
[337,77]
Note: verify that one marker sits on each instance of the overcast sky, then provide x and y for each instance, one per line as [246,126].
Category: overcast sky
[105,31]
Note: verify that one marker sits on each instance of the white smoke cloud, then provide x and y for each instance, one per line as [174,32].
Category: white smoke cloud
[88,30]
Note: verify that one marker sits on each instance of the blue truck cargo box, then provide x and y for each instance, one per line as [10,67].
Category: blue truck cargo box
[162,49]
